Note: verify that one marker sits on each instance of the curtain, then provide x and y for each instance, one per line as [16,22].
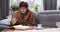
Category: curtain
[50,4]
[4,9]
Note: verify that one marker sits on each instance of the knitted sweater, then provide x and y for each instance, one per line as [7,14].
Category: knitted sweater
[27,19]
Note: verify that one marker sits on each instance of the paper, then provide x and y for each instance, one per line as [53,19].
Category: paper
[21,27]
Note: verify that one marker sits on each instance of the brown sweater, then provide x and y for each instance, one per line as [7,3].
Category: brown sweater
[27,19]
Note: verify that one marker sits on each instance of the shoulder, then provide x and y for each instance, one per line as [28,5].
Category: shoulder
[31,12]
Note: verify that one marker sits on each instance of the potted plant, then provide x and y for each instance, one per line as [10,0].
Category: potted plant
[36,7]
[15,7]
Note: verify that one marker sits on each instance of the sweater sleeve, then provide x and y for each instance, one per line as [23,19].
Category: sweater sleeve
[32,19]
[13,16]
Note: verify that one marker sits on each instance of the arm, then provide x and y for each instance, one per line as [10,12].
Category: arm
[14,19]
[33,20]
[32,23]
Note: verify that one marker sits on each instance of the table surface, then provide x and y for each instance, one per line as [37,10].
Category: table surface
[43,30]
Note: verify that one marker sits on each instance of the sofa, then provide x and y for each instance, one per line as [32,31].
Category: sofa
[48,18]
[5,23]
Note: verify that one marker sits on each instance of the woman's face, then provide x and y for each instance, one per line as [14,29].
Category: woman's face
[23,9]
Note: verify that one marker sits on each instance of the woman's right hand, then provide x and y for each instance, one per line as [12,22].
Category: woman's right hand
[14,20]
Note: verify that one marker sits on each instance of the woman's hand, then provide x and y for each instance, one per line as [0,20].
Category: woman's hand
[14,20]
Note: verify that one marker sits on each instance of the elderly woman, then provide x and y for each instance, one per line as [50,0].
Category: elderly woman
[23,16]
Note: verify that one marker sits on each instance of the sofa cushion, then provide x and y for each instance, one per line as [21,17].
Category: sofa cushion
[3,27]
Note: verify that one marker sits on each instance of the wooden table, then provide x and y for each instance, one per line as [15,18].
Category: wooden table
[11,29]
[43,30]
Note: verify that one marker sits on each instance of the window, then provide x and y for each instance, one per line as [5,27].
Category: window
[58,4]
[31,3]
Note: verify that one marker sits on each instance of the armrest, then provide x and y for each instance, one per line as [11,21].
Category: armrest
[3,27]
